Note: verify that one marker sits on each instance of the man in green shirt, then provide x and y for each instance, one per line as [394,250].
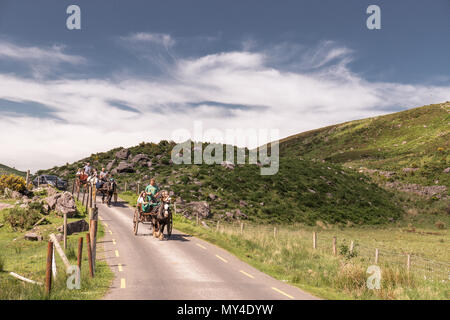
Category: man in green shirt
[152,192]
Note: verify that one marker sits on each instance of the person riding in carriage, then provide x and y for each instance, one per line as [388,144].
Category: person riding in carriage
[149,201]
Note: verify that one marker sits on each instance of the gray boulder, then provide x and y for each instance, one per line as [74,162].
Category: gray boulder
[228,165]
[110,165]
[447,170]
[239,214]
[200,208]
[122,154]
[66,205]
[123,167]
[33,236]
[140,158]
[51,200]
[75,227]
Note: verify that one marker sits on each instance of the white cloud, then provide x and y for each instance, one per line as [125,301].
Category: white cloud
[156,38]
[292,101]
[52,54]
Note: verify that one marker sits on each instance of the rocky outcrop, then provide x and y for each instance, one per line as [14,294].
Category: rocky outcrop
[62,203]
[122,154]
[192,209]
[123,167]
[75,227]
[228,165]
[425,191]
[140,158]
[110,165]
[33,236]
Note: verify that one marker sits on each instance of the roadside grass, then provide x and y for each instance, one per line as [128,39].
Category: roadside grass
[28,259]
[289,257]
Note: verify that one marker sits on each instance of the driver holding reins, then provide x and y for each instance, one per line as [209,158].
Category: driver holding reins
[149,196]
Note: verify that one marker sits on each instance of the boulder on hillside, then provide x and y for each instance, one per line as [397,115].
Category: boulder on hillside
[228,165]
[75,227]
[51,200]
[110,165]
[240,215]
[447,170]
[33,236]
[123,167]
[66,205]
[192,209]
[140,158]
[122,154]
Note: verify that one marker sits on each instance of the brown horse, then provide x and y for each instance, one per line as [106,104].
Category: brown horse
[162,217]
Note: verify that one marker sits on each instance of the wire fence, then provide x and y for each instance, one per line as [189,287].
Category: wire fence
[425,268]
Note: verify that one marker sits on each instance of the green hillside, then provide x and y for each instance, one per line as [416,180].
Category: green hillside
[302,191]
[7,170]
[413,145]
[331,174]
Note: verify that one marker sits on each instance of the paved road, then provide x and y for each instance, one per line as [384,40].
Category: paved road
[183,267]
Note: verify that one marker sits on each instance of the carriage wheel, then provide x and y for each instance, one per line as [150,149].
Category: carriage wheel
[169,225]
[136,222]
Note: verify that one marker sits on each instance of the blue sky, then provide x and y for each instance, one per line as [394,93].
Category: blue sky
[139,70]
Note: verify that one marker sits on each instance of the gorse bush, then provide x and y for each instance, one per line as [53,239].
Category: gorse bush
[12,182]
[20,218]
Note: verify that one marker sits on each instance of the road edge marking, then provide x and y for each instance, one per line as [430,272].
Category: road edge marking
[122,283]
[284,293]
[224,260]
[120,267]
[203,247]
[117,253]
[247,274]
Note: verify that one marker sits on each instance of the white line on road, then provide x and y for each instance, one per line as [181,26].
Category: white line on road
[120,267]
[122,283]
[247,274]
[114,241]
[284,293]
[203,247]
[221,258]
[117,253]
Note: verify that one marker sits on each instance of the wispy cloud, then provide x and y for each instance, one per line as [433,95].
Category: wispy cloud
[225,90]
[52,54]
[156,38]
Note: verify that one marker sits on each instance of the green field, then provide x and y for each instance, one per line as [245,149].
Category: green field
[28,259]
[7,170]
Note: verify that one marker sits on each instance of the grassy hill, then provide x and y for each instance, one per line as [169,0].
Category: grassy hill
[317,180]
[302,191]
[414,145]
[7,170]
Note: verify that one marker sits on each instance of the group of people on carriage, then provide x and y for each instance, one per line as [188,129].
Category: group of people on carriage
[101,182]
[153,206]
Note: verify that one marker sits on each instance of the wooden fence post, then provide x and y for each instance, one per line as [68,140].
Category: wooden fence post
[93,232]
[88,244]
[80,253]
[125,187]
[138,187]
[376,256]
[78,193]
[73,187]
[82,201]
[274,232]
[197,217]
[334,246]
[217,228]
[242,228]
[28,178]
[65,231]
[314,240]
[48,273]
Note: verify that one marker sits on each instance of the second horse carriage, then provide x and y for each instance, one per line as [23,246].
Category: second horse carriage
[158,216]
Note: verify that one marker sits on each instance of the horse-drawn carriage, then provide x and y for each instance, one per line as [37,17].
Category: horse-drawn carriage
[158,217]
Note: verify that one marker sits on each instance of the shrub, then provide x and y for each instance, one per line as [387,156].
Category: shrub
[440,225]
[12,182]
[20,218]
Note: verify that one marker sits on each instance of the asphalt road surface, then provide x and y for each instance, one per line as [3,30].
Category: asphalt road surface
[183,267]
